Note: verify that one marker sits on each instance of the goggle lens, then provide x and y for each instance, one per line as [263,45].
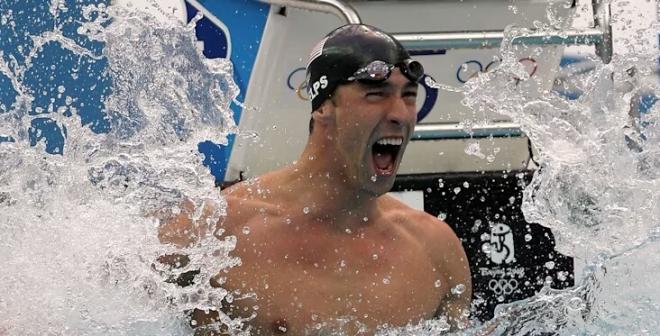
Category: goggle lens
[413,70]
[379,71]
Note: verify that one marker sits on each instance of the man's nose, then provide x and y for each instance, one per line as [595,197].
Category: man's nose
[399,112]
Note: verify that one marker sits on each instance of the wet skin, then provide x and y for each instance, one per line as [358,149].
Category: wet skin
[326,244]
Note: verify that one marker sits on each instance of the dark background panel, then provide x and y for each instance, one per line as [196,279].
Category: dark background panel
[509,258]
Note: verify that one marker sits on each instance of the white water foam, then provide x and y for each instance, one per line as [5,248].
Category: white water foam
[79,232]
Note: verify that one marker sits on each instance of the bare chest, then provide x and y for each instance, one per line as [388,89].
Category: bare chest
[300,285]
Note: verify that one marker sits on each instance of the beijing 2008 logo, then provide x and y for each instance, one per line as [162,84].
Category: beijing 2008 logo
[503,286]
[500,246]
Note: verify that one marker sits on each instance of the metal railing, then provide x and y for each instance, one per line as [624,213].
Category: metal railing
[600,36]
[457,131]
[338,8]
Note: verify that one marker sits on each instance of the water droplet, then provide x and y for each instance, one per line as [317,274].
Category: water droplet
[438,283]
[561,276]
[550,265]
[512,200]
[475,150]
[476,226]
[528,237]
[442,216]
[486,248]
[386,280]
[458,289]
[548,281]
[342,263]
[306,210]
[374,178]
[457,190]
[250,135]
[365,219]
[374,257]
[466,184]
[246,230]
[61,89]
[485,237]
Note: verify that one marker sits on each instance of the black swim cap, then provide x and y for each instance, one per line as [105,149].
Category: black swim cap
[344,51]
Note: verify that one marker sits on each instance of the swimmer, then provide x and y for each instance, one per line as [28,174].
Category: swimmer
[328,251]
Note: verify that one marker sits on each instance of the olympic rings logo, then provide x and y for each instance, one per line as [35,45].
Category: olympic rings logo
[301,90]
[473,68]
[503,286]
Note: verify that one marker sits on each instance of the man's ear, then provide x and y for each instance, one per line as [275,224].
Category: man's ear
[325,112]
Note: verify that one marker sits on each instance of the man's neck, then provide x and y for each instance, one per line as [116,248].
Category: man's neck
[326,193]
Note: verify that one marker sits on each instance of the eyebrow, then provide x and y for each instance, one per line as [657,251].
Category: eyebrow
[411,85]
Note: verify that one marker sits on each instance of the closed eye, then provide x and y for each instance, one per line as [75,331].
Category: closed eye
[410,94]
[375,95]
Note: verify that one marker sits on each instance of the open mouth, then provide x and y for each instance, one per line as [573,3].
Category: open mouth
[384,154]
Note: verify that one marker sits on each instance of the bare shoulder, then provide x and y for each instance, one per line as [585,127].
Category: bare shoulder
[429,230]
[446,251]
[438,238]
[245,201]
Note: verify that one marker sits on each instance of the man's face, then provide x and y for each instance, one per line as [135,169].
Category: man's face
[374,123]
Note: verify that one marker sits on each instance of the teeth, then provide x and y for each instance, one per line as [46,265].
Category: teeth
[390,141]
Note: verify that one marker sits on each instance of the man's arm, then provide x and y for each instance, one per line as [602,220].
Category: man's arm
[187,225]
[184,228]
[456,304]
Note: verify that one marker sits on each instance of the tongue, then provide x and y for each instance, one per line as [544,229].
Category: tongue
[383,160]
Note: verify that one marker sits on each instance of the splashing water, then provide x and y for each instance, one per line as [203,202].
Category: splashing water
[78,231]
[78,234]
[597,187]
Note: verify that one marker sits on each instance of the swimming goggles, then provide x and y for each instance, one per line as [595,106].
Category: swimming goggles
[379,71]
